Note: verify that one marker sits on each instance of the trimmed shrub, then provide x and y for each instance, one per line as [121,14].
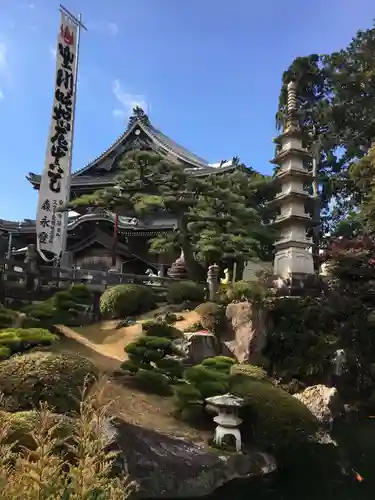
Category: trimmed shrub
[152,381]
[146,350]
[185,291]
[254,372]
[130,367]
[5,353]
[186,394]
[212,316]
[81,294]
[277,420]
[20,339]
[221,363]
[170,367]
[56,379]
[160,329]
[199,374]
[121,301]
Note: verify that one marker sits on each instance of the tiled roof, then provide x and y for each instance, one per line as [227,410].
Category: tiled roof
[194,164]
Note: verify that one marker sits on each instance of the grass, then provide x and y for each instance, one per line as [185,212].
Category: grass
[42,473]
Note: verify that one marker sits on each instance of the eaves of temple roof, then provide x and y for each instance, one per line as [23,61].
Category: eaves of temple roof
[102,170]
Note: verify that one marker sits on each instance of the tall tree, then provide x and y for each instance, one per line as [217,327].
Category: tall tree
[336,92]
[218,217]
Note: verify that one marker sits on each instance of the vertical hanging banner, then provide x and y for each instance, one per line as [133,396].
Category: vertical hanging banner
[54,188]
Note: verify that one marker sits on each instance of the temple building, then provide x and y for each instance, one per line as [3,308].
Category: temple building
[90,231]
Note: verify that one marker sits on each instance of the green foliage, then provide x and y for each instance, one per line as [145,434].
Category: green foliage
[149,349]
[185,291]
[126,300]
[220,363]
[160,329]
[153,355]
[277,420]
[251,371]
[335,91]
[7,317]
[217,216]
[170,367]
[186,395]
[21,339]
[5,353]
[130,366]
[307,331]
[56,379]
[212,316]
[194,327]
[152,381]
[253,291]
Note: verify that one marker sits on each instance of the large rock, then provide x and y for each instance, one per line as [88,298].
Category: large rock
[246,335]
[323,402]
[198,346]
[166,467]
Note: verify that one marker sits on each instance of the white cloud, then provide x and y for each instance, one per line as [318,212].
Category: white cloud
[1,95]
[107,27]
[128,101]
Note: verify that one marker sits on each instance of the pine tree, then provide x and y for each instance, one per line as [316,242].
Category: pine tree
[218,216]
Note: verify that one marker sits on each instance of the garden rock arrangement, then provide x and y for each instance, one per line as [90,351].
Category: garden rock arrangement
[165,467]
[246,335]
[323,402]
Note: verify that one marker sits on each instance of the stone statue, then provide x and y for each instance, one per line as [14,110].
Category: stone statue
[213,281]
[339,361]
[226,279]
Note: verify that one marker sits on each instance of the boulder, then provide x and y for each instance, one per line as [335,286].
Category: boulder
[323,402]
[167,467]
[198,346]
[246,334]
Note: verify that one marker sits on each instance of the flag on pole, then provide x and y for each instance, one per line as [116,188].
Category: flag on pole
[55,182]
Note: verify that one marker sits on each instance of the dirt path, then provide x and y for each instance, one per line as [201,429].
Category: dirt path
[147,410]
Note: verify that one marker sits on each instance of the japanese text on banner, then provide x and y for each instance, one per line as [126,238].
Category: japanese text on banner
[55,182]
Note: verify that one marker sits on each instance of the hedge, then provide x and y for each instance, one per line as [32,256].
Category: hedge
[121,301]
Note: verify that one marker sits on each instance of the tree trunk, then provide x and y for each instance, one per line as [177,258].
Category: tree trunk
[195,270]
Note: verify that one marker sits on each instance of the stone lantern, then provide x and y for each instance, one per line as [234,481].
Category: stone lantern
[227,419]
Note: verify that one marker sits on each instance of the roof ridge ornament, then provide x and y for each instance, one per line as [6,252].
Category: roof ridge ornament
[138,115]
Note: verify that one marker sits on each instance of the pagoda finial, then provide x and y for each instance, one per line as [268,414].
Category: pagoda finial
[292,122]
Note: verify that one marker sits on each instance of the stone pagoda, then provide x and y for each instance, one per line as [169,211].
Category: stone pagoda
[293,260]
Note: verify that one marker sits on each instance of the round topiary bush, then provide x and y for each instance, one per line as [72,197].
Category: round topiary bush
[153,382]
[185,291]
[277,420]
[121,301]
[57,379]
[212,316]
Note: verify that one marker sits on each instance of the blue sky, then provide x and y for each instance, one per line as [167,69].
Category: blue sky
[209,70]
